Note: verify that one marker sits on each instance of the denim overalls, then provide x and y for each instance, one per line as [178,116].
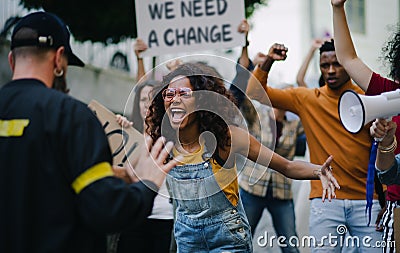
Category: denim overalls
[206,221]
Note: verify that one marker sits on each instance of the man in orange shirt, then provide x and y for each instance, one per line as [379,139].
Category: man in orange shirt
[318,111]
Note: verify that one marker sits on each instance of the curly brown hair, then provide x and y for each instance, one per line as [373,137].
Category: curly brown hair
[392,54]
[201,77]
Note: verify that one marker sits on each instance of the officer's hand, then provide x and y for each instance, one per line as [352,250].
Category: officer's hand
[151,164]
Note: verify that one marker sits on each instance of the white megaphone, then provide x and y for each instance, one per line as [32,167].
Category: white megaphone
[357,110]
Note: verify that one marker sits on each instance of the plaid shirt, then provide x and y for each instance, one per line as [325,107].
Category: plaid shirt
[256,178]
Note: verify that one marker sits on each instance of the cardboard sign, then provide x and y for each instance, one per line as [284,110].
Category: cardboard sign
[396,226]
[125,143]
[176,26]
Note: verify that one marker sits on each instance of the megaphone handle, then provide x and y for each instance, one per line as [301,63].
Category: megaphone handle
[380,139]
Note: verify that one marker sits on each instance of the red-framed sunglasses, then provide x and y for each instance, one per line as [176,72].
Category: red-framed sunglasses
[169,93]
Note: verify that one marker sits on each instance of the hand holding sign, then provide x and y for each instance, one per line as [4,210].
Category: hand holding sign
[244,27]
[123,121]
[139,47]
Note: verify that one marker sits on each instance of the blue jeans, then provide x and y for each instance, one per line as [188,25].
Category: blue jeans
[225,232]
[282,214]
[331,222]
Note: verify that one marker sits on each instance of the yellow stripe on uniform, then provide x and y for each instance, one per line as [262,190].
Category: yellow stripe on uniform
[98,171]
[14,127]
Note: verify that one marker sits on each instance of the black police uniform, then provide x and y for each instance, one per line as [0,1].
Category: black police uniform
[57,192]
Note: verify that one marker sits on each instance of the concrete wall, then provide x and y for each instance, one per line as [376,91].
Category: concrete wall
[109,87]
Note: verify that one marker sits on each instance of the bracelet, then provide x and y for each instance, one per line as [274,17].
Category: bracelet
[140,58]
[388,149]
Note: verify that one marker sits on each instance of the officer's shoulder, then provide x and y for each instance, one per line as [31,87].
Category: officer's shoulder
[68,104]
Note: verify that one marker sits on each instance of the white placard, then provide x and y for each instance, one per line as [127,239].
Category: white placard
[177,26]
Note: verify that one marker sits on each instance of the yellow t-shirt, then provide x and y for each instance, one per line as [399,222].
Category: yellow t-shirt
[225,177]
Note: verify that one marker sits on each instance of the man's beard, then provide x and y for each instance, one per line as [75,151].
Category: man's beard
[60,84]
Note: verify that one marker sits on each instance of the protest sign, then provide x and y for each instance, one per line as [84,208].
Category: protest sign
[124,142]
[177,26]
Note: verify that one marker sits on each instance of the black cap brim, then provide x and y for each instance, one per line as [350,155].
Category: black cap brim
[73,60]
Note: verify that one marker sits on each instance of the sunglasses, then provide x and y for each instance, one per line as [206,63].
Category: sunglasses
[169,93]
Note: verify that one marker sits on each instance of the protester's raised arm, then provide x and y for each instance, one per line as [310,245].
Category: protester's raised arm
[139,47]
[244,27]
[246,145]
[316,43]
[345,50]
[258,81]
[384,130]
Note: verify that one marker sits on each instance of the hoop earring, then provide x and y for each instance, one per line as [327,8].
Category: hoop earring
[58,74]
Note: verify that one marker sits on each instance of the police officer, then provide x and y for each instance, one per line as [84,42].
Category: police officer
[58,192]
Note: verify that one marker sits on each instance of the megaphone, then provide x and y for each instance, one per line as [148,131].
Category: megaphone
[357,110]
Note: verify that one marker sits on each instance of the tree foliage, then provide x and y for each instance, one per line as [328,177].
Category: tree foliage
[102,20]
[251,5]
